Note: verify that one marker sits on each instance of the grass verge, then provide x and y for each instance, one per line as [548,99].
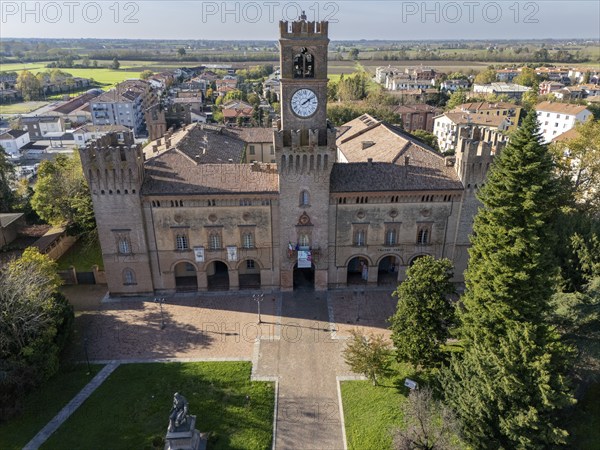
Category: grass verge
[42,404]
[372,412]
[131,408]
[82,255]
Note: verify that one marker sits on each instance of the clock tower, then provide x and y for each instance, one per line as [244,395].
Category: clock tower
[306,150]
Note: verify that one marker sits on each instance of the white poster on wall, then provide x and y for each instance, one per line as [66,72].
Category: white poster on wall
[304,258]
[199,254]
[232,253]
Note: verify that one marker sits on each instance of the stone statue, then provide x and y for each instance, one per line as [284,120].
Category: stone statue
[179,412]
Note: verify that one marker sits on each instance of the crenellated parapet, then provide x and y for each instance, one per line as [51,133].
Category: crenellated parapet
[112,166]
[475,152]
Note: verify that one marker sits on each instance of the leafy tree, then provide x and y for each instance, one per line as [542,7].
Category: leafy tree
[456,98]
[486,76]
[578,161]
[354,53]
[35,322]
[527,77]
[85,62]
[62,196]
[95,64]
[424,313]
[29,85]
[428,424]
[427,138]
[7,177]
[115,64]
[235,94]
[510,384]
[181,51]
[146,74]
[369,356]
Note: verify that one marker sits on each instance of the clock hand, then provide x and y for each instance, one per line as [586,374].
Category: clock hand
[307,100]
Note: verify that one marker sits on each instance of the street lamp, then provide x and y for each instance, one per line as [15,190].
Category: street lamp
[258,298]
[87,358]
[358,294]
[161,301]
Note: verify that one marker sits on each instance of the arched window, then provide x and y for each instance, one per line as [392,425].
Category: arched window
[128,276]
[124,246]
[304,64]
[359,238]
[214,241]
[304,198]
[303,240]
[181,242]
[423,236]
[248,240]
[390,237]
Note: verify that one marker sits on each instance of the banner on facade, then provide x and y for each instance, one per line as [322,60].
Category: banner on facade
[232,253]
[304,258]
[199,254]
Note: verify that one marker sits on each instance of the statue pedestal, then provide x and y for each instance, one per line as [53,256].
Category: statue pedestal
[185,437]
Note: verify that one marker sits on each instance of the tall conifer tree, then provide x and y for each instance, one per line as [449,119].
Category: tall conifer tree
[510,384]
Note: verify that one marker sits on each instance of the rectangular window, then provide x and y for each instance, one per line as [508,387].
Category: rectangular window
[272,150]
[251,149]
[250,264]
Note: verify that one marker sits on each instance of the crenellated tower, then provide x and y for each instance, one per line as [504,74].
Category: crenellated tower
[115,172]
[305,147]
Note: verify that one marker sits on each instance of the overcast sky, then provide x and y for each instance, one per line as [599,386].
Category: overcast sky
[397,20]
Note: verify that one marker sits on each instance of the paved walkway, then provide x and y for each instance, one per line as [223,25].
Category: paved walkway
[75,403]
[306,361]
[299,345]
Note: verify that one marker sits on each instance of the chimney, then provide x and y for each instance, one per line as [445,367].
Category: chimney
[406,160]
[370,161]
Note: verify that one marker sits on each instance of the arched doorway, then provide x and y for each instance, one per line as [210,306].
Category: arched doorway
[358,271]
[387,270]
[304,278]
[249,274]
[217,275]
[185,277]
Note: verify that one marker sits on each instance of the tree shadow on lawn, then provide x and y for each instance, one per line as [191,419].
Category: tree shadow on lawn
[131,408]
[140,333]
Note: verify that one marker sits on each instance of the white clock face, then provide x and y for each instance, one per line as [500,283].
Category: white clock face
[304,102]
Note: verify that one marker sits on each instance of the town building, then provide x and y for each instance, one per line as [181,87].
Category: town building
[417,117]
[448,127]
[13,140]
[357,204]
[124,105]
[556,118]
[86,133]
[511,90]
[505,109]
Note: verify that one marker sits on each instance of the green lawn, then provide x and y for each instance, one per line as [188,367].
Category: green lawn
[131,408]
[372,412]
[82,255]
[21,108]
[43,404]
